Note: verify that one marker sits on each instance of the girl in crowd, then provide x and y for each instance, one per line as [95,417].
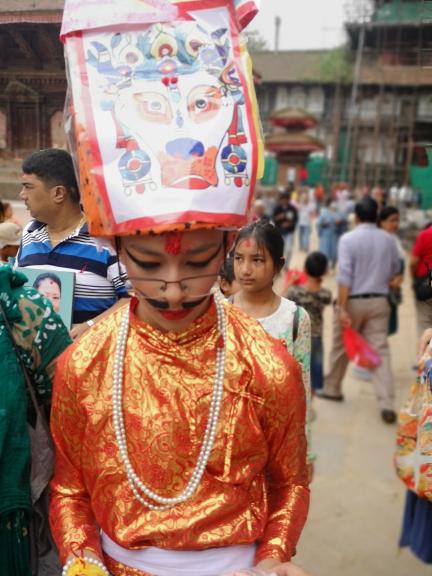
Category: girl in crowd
[388,220]
[327,232]
[258,259]
[306,211]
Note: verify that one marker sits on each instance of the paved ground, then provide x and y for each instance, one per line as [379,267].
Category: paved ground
[357,501]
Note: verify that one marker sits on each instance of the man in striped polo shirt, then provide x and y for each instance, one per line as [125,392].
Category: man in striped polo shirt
[57,238]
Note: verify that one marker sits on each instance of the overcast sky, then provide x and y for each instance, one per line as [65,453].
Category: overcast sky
[306,24]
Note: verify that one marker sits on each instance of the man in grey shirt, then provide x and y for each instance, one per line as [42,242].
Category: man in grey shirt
[369,263]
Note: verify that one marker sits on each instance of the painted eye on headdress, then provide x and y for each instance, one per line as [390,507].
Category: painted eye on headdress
[201,103]
[204,103]
[154,107]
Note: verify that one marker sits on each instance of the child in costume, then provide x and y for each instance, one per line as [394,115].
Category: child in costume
[173,456]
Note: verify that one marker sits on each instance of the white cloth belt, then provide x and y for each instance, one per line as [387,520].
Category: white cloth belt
[159,562]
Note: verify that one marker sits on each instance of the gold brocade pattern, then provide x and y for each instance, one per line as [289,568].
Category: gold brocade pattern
[118,569]
[255,485]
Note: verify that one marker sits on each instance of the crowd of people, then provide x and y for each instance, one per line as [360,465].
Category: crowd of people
[370,266]
[170,430]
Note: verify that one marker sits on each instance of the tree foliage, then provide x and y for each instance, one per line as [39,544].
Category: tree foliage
[336,66]
[255,41]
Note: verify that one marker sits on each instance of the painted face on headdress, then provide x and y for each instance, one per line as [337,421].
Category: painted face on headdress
[172,135]
[176,107]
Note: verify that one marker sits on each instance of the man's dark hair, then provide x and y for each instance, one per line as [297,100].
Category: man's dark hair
[2,211]
[47,276]
[316,264]
[55,168]
[366,210]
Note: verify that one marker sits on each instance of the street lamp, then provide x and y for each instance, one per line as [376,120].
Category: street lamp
[357,12]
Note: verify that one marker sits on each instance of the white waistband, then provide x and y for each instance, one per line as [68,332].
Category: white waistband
[211,562]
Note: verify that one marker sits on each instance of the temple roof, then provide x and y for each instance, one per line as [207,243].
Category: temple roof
[290,66]
[293,142]
[293,118]
[40,11]
[31,5]
[308,67]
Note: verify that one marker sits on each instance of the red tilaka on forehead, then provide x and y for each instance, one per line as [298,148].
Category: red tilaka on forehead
[248,243]
[173,243]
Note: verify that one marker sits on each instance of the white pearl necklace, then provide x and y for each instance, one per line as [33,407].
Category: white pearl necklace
[88,560]
[138,488]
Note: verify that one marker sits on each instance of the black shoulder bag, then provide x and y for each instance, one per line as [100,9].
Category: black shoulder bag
[44,555]
[422,285]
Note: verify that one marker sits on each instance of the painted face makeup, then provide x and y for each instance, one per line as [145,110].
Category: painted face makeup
[163,305]
[173,243]
[186,308]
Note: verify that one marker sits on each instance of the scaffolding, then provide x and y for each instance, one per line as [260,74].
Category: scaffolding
[376,126]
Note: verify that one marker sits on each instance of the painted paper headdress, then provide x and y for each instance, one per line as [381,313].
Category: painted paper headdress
[162,114]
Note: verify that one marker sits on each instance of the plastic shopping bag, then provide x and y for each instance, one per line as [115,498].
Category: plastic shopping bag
[294,277]
[359,351]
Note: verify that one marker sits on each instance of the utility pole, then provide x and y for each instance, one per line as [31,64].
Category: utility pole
[278,22]
[358,12]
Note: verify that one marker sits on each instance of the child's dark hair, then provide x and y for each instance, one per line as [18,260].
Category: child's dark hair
[47,276]
[226,271]
[316,264]
[266,235]
[386,212]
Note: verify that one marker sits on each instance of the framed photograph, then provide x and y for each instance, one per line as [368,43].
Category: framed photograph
[57,286]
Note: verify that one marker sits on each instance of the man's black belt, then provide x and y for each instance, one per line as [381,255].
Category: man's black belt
[368,295]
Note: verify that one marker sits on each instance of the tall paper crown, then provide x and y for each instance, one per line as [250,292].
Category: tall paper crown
[161,114]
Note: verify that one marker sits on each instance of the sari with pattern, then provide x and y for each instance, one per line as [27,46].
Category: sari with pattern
[40,336]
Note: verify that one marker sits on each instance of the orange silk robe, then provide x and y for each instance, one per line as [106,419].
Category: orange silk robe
[255,486]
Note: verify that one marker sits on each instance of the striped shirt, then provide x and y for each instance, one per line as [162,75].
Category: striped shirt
[100,280]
